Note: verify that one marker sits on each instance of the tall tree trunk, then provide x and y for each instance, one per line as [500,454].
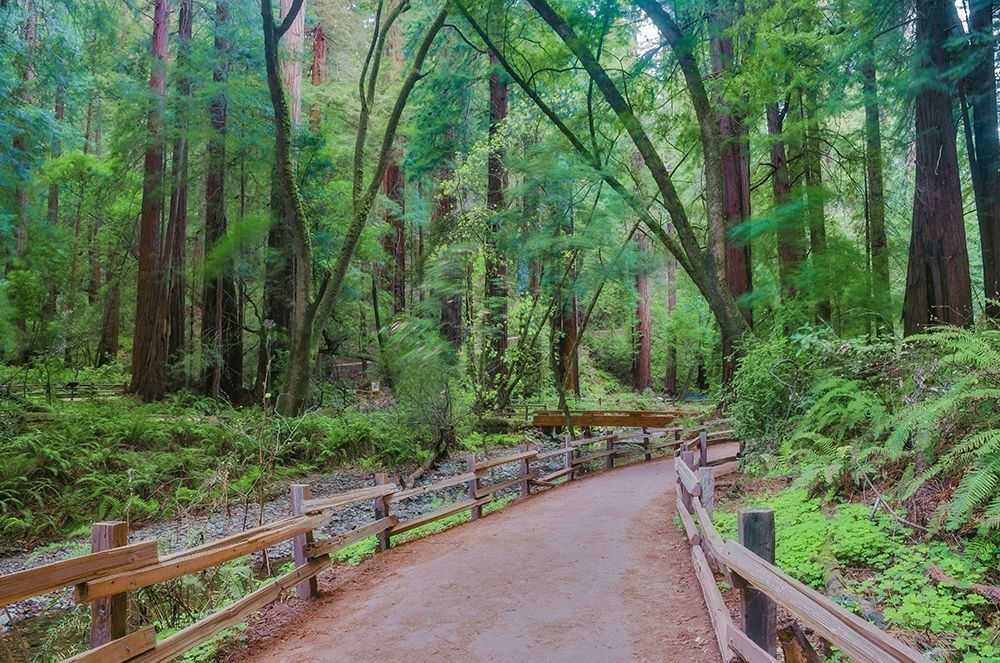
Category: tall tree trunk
[641,334]
[26,92]
[149,342]
[394,242]
[875,200]
[791,249]
[177,220]
[451,305]
[221,330]
[670,378]
[93,132]
[735,184]
[984,153]
[279,280]
[318,75]
[108,342]
[393,188]
[812,163]
[938,284]
[495,326]
[293,48]
[566,327]
[52,207]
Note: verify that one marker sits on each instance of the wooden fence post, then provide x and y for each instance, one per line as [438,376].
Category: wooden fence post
[760,615]
[703,448]
[645,445]
[382,511]
[470,466]
[569,458]
[609,460]
[307,588]
[686,457]
[525,468]
[707,480]
[109,615]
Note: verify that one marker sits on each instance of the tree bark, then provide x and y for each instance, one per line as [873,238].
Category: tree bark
[735,160]
[149,341]
[221,330]
[394,242]
[938,284]
[177,220]
[812,162]
[451,305]
[280,265]
[791,249]
[318,74]
[670,377]
[495,325]
[642,330]
[875,199]
[984,153]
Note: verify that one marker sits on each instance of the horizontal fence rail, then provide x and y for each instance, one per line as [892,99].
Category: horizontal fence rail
[113,568]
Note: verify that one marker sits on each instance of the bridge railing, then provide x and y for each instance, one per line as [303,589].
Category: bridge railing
[763,586]
[104,577]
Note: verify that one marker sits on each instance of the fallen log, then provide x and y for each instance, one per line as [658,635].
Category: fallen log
[935,573]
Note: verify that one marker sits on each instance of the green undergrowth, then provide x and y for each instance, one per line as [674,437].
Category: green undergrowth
[884,570]
[68,466]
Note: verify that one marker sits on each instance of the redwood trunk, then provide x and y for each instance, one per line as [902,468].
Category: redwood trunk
[177,220]
[791,249]
[318,74]
[670,378]
[985,154]
[815,207]
[641,370]
[875,201]
[394,242]
[149,343]
[735,159]
[938,285]
[451,306]
[221,331]
[495,328]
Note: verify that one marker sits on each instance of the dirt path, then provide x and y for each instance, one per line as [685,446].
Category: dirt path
[594,571]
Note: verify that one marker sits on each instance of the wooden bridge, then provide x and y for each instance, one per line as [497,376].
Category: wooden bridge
[428,597]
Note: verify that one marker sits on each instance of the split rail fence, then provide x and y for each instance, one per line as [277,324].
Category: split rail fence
[748,566]
[104,577]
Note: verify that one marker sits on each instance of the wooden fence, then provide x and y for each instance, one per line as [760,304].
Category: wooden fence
[748,566]
[67,391]
[113,568]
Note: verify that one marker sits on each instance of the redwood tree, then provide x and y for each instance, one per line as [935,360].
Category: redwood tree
[641,333]
[176,238]
[221,331]
[984,145]
[735,160]
[878,249]
[938,284]
[149,341]
[495,326]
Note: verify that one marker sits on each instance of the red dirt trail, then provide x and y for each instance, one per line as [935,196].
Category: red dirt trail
[593,571]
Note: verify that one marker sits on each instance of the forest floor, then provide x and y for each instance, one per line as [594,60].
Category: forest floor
[593,570]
